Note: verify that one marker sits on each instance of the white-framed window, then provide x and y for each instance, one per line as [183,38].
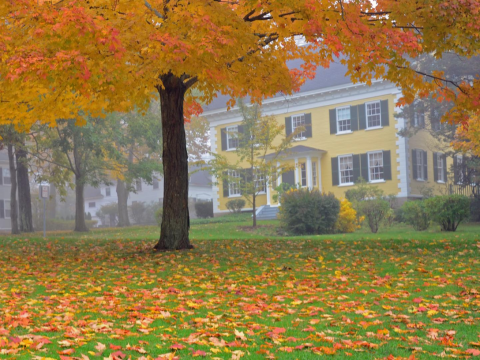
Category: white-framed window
[299,121]
[303,174]
[343,120]
[374,118]
[233,183]
[7,180]
[420,166]
[345,166]
[375,166]
[440,168]
[107,191]
[232,137]
[314,173]
[260,183]
[91,204]
[7,209]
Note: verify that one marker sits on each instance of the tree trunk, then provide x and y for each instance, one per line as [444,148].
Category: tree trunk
[24,197]
[122,194]
[13,191]
[176,220]
[80,225]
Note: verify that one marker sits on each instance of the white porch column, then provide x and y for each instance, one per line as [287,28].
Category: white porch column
[309,172]
[296,171]
[319,174]
[268,192]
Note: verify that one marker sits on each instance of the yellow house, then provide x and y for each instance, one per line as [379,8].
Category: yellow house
[350,132]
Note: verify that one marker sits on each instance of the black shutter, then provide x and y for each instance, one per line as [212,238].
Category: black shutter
[425,165]
[362,118]
[288,125]
[364,166]
[242,140]
[226,193]
[435,167]
[335,175]
[308,125]
[387,165]
[2,209]
[384,112]
[356,167]
[456,176]
[1,176]
[333,121]
[354,117]
[414,164]
[444,160]
[223,133]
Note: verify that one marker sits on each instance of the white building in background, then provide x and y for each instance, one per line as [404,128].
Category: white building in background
[5,187]
[200,189]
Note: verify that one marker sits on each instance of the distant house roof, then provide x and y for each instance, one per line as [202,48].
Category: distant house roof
[200,178]
[325,78]
[296,150]
[92,193]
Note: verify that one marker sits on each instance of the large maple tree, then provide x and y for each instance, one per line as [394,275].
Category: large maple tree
[67,58]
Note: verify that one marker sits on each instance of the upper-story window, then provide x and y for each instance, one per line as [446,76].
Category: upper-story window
[297,122]
[345,166]
[374,118]
[232,137]
[343,119]
[107,191]
[375,166]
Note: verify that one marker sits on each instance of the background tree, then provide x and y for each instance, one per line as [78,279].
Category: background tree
[258,136]
[95,56]
[197,132]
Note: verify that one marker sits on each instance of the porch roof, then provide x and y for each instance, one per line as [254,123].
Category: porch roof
[295,151]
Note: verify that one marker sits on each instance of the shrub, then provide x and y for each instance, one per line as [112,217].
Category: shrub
[363,191]
[137,210]
[204,209]
[110,212]
[415,213]
[389,218]
[374,211]
[235,205]
[347,218]
[448,210]
[309,212]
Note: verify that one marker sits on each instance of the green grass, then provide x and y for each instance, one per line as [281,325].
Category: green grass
[360,296]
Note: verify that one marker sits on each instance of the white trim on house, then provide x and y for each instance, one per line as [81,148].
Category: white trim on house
[215,188]
[402,153]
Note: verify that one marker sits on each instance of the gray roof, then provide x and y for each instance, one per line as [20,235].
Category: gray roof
[200,178]
[325,78]
[92,193]
[296,150]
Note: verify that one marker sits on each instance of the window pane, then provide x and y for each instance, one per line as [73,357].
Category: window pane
[420,165]
[234,183]
[232,137]
[346,169]
[375,162]
[343,119]
[260,185]
[297,121]
[303,171]
[440,170]
[373,115]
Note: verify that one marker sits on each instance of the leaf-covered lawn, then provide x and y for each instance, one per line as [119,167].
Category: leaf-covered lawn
[103,296]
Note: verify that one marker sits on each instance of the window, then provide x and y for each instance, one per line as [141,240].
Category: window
[138,185]
[440,168]
[419,119]
[420,166]
[375,166]
[234,183]
[373,115]
[6,177]
[7,209]
[107,191]
[91,204]
[345,165]
[299,121]
[314,173]
[232,137]
[343,119]
[155,183]
[260,184]
[303,172]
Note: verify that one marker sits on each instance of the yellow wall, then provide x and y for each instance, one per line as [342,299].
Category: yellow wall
[357,142]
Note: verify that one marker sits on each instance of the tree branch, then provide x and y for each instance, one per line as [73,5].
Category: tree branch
[147,4]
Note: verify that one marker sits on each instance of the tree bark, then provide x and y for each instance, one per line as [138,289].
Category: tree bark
[176,220]
[24,197]
[122,194]
[13,191]
[80,225]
